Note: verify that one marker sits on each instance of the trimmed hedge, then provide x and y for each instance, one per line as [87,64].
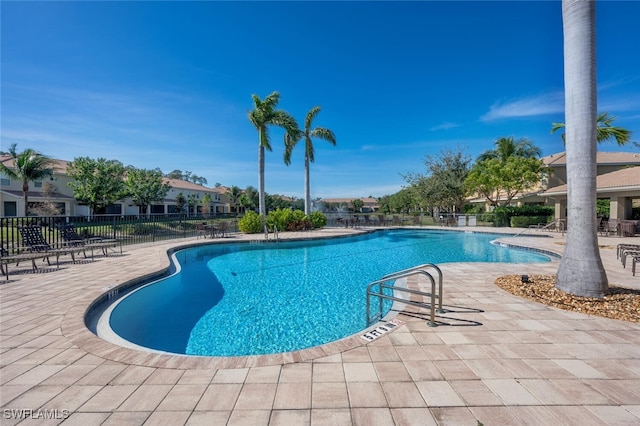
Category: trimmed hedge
[503,215]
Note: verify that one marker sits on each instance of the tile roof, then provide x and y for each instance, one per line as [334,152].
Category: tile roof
[601,158]
[623,179]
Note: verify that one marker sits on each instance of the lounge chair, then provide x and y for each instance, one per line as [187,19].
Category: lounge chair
[73,239]
[6,259]
[34,242]
[620,248]
[628,253]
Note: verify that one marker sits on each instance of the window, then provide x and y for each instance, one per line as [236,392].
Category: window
[37,184]
[5,181]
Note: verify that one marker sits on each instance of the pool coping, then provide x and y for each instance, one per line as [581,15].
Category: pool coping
[74,323]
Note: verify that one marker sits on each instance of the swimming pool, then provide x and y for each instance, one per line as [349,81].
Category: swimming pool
[251,299]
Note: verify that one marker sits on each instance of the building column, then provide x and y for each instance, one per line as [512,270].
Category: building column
[560,208]
[616,207]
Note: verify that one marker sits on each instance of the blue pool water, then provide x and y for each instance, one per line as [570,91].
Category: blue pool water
[249,299]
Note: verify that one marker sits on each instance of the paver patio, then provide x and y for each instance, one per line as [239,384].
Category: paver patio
[494,358]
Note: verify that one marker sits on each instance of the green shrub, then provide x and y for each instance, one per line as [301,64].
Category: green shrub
[251,223]
[318,219]
[280,218]
[503,215]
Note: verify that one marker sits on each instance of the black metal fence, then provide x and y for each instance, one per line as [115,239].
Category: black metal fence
[127,229]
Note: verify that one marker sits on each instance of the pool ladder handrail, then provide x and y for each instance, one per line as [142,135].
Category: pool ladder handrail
[275,233]
[416,270]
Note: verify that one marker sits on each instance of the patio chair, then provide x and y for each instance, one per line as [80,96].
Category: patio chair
[34,242]
[73,239]
[613,226]
[6,259]
[222,229]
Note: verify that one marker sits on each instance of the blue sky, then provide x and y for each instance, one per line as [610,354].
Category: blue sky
[169,84]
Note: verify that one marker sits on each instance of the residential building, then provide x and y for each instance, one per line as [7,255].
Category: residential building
[618,179]
[56,192]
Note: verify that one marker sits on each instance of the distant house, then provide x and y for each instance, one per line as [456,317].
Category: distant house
[55,191]
[219,199]
[370,204]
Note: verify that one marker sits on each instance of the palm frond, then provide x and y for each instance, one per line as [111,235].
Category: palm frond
[309,150]
[311,115]
[324,134]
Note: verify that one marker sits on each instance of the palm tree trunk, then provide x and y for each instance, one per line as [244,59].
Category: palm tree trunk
[25,192]
[307,187]
[581,271]
[263,210]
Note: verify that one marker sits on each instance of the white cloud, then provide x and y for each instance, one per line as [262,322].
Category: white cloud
[445,126]
[548,103]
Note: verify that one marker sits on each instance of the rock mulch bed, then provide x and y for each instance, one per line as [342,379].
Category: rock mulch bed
[621,303]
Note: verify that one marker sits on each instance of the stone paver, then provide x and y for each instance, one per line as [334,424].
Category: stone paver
[494,358]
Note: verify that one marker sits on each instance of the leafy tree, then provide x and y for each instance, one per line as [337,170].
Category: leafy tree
[402,201]
[98,183]
[181,202]
[499,181]
[192,200]
[186,176]
[385,204]
[581,271]
[176,174]
[605,131]
[28,166]
[206,205]
[145,187]
[443,184]
[262,116]
[291,140]
[48,207]
[357,204]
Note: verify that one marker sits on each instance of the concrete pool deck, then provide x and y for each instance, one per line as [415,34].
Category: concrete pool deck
[494,358]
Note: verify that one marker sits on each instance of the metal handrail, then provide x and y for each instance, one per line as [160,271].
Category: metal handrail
[420,267]
[401,274]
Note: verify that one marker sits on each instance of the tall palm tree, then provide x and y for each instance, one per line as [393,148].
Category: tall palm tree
[605,131]
[507,147]
[308,133]
[581,271]
[28,166]
[262,116]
